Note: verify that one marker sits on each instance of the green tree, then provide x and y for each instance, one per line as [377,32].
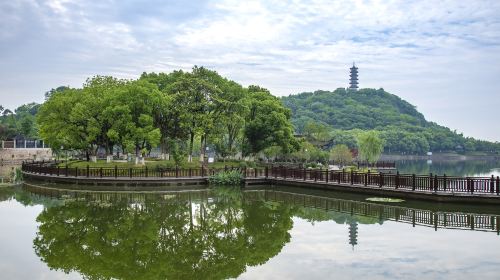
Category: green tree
[317,131]
[136,101]
[267,124]
[370,146]
[56,125]
[341,154]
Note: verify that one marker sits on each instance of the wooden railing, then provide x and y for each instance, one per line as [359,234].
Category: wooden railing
[54,169]
[432,183]
[411,182]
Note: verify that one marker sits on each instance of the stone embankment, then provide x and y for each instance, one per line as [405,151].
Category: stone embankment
[17,156]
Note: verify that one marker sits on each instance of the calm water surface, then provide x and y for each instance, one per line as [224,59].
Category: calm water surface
[265,233]
[481,168]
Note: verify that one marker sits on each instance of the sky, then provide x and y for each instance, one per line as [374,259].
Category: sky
[441,56]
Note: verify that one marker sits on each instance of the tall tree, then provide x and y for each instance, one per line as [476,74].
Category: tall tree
[194,98]
[267,124]
[341,154]
[370,146]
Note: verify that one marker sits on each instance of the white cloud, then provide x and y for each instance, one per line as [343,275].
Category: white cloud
[421,50]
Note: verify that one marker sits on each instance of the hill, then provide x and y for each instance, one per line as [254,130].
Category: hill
[344,113]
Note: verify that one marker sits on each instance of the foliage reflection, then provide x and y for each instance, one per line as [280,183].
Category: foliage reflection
[167,237]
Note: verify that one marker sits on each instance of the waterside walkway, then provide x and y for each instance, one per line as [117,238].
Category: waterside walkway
[429,187]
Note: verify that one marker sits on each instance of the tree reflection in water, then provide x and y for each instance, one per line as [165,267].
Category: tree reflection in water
[162,237]
[204,234]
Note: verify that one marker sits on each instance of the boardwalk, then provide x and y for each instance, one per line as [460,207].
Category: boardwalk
[406,185]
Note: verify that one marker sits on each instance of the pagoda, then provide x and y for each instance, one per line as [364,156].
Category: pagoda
[353,82]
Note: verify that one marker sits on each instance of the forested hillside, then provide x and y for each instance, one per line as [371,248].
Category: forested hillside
[343,113]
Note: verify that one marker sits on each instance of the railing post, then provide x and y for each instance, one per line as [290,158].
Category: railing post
[498,185]
[284,172]
[190,172]
[130,172]
[267,172]
[315,175]
[305,174]
[381,179]
[116,171]
[88,170]
[397,180]
[66,170]
[58,170]
[471,182]
[146,169]
[202,171]
[76,171]
[100,172]
[327,175]
[343,175]
[255,172]
[436,183]
[352,177]
[431,187]
[366,178]
[413,181]
[444,182]
[176,171]
[492,184]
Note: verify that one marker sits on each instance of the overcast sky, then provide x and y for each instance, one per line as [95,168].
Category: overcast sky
[442,56]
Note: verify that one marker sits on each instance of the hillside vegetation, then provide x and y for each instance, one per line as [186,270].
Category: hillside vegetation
[342,114]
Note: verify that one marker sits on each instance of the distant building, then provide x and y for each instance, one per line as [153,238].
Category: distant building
[353,82]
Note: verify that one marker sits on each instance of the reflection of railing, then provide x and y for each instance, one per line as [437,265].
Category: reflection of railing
[382,212]
[432,183]
[130,197]
[420,217]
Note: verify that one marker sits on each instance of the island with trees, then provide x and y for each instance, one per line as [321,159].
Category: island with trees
[183,115]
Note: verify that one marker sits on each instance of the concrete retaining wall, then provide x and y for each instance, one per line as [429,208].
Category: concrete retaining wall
[14,156]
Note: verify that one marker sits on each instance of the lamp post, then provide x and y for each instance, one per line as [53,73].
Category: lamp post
[207,149]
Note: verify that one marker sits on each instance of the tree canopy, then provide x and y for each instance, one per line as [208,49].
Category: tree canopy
[20,122]
[370,146]
[172,110]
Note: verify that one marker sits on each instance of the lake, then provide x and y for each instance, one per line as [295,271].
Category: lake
[257,233]
[478,168]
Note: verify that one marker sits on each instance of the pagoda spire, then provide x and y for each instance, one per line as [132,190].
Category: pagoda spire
[353,81]
[353,233]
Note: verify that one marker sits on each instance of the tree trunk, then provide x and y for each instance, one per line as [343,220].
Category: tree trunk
[191,140]
[202,149]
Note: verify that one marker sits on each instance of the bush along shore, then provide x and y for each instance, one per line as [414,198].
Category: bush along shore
[226,178]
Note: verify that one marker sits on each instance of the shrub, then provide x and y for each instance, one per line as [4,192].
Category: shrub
[233,177]
[17,176]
